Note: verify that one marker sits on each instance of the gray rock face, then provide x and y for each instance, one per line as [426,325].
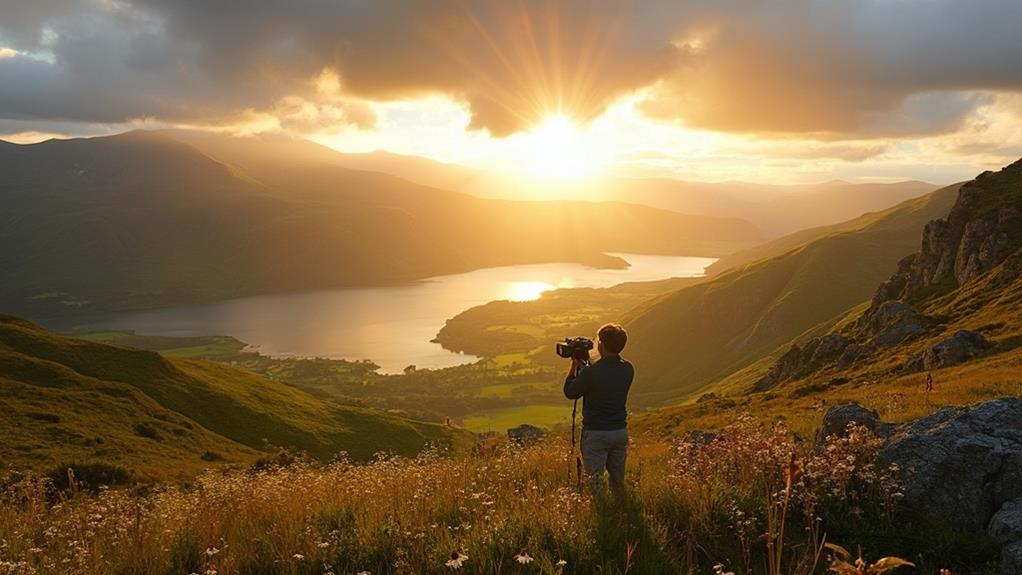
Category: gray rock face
[960,465]
[959,348]
[1006,528]
[837,418]
[891,323]
[963,463]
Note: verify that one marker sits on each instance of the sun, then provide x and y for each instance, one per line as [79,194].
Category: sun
[558,149]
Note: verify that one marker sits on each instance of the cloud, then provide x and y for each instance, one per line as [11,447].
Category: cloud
[827,70]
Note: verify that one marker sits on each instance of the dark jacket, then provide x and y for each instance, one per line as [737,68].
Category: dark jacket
[604,388]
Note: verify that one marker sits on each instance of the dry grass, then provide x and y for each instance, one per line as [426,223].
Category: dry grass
[690,505]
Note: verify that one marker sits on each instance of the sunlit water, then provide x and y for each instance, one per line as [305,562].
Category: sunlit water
[390,325]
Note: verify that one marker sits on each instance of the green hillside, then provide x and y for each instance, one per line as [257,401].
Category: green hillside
[952,310]
[67,399]
[690,338]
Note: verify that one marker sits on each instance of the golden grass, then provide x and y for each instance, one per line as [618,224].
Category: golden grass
[689,506]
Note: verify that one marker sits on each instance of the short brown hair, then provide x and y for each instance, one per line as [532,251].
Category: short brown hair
[613,337]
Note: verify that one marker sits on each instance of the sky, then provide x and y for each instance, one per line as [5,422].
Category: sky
[779,91]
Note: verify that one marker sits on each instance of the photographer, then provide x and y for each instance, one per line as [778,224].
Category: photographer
[603,387]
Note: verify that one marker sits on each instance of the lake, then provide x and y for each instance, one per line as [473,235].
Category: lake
[390,325]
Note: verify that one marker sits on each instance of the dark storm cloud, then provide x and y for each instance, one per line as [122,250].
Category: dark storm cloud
[866,69]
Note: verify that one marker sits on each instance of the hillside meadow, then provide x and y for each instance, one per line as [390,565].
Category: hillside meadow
[751,500]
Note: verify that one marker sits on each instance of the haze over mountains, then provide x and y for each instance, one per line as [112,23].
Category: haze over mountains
[774,209]
[142,219]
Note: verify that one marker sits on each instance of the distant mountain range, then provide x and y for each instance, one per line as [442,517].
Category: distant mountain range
[66,400]
[146,219]
[775,209]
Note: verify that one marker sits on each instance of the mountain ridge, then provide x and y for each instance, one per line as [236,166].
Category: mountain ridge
[143,220]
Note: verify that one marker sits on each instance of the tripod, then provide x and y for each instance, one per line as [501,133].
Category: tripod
[574,417]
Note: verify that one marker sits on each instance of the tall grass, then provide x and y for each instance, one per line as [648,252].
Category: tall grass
[748,500]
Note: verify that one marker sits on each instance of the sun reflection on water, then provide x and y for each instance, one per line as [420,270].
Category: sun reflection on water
[526,291]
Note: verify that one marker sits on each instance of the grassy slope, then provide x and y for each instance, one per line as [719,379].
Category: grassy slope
[688,339]
[70,399]
[990,304]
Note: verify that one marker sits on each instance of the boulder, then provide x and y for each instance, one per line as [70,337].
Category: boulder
[524,434]
[837,418]
[831,346]
[891,323]
[1006,528]
[959,348]
[961,465]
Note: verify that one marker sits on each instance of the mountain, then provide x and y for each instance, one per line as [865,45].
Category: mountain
[956,299]
[775,209]
[689,338]
[257,152]
[778,210]
[70,400]
[144,219]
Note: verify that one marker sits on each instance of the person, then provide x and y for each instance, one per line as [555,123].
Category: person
[929,381]
[603,388]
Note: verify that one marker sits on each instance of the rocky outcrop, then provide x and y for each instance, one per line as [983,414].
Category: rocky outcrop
[959,348]
[982,231]
[960,465]
[889,323]
[979,233]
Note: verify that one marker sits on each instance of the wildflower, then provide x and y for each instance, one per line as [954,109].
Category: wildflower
[718,569]
[298,556]
[523,557]
[457,559]
[211,551]
[561,563]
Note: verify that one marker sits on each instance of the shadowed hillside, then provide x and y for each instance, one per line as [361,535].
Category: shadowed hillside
[696,335]
[66,399]
[140,219]
[956,299]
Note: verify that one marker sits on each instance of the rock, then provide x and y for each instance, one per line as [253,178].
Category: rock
[1006,528]
[830,347]
[959,348]
[890,324]
[524,434]
[837,418]
[962,464]
[782,370]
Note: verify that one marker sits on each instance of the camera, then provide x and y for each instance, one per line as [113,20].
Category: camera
[575,347]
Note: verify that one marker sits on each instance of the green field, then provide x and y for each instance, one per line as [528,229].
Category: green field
[500,420]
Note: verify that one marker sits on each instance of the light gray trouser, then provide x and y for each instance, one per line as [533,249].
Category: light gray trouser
[604,450]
